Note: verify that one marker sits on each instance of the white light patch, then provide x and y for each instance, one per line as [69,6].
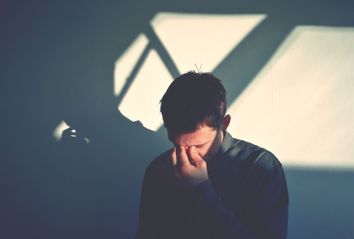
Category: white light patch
[58,131]
[125,64]
[301,105]
[142,101]
[202,41]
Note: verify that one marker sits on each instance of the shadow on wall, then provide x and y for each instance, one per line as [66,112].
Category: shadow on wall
[57,64]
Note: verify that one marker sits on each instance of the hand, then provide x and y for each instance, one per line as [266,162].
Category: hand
[189,166]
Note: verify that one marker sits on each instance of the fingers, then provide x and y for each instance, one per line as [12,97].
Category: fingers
[188,166]
[174,157]
[182,158]
[194,155]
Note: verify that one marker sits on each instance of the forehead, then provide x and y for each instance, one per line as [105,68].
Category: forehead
[201,135]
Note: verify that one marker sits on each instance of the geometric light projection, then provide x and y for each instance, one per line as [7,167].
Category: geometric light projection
[58,131]
[142,99]
[125,64]
[62,128]
[192,41]
[301,105]
[202,40]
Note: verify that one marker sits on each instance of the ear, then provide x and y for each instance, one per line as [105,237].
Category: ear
[226,122]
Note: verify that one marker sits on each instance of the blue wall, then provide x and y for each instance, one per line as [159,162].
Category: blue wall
[57,60]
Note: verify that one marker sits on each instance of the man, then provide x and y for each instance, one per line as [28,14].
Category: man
[210,185]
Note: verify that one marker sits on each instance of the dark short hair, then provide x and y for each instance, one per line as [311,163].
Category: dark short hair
[193,99]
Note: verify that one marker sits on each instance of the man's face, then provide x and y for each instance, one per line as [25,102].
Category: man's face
[205,139]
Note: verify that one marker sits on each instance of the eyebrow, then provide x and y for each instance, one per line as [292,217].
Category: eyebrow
[195,145]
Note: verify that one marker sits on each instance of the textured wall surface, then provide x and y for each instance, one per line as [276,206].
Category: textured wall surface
[72,157]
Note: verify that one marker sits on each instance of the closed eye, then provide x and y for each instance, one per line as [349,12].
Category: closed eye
[200,145]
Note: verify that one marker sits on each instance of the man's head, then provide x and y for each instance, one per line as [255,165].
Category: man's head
[193,110]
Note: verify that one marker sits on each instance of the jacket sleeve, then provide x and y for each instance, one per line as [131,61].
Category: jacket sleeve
[268,218]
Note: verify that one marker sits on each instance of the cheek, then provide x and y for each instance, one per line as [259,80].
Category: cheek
[213,149]
[203,151]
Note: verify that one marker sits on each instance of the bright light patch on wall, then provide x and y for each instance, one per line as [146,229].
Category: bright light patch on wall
[301,105]
[125,64]
[202,40]
[194,41]
[142,101]
[58,131]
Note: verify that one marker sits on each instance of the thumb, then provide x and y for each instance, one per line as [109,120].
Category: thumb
[195,156]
